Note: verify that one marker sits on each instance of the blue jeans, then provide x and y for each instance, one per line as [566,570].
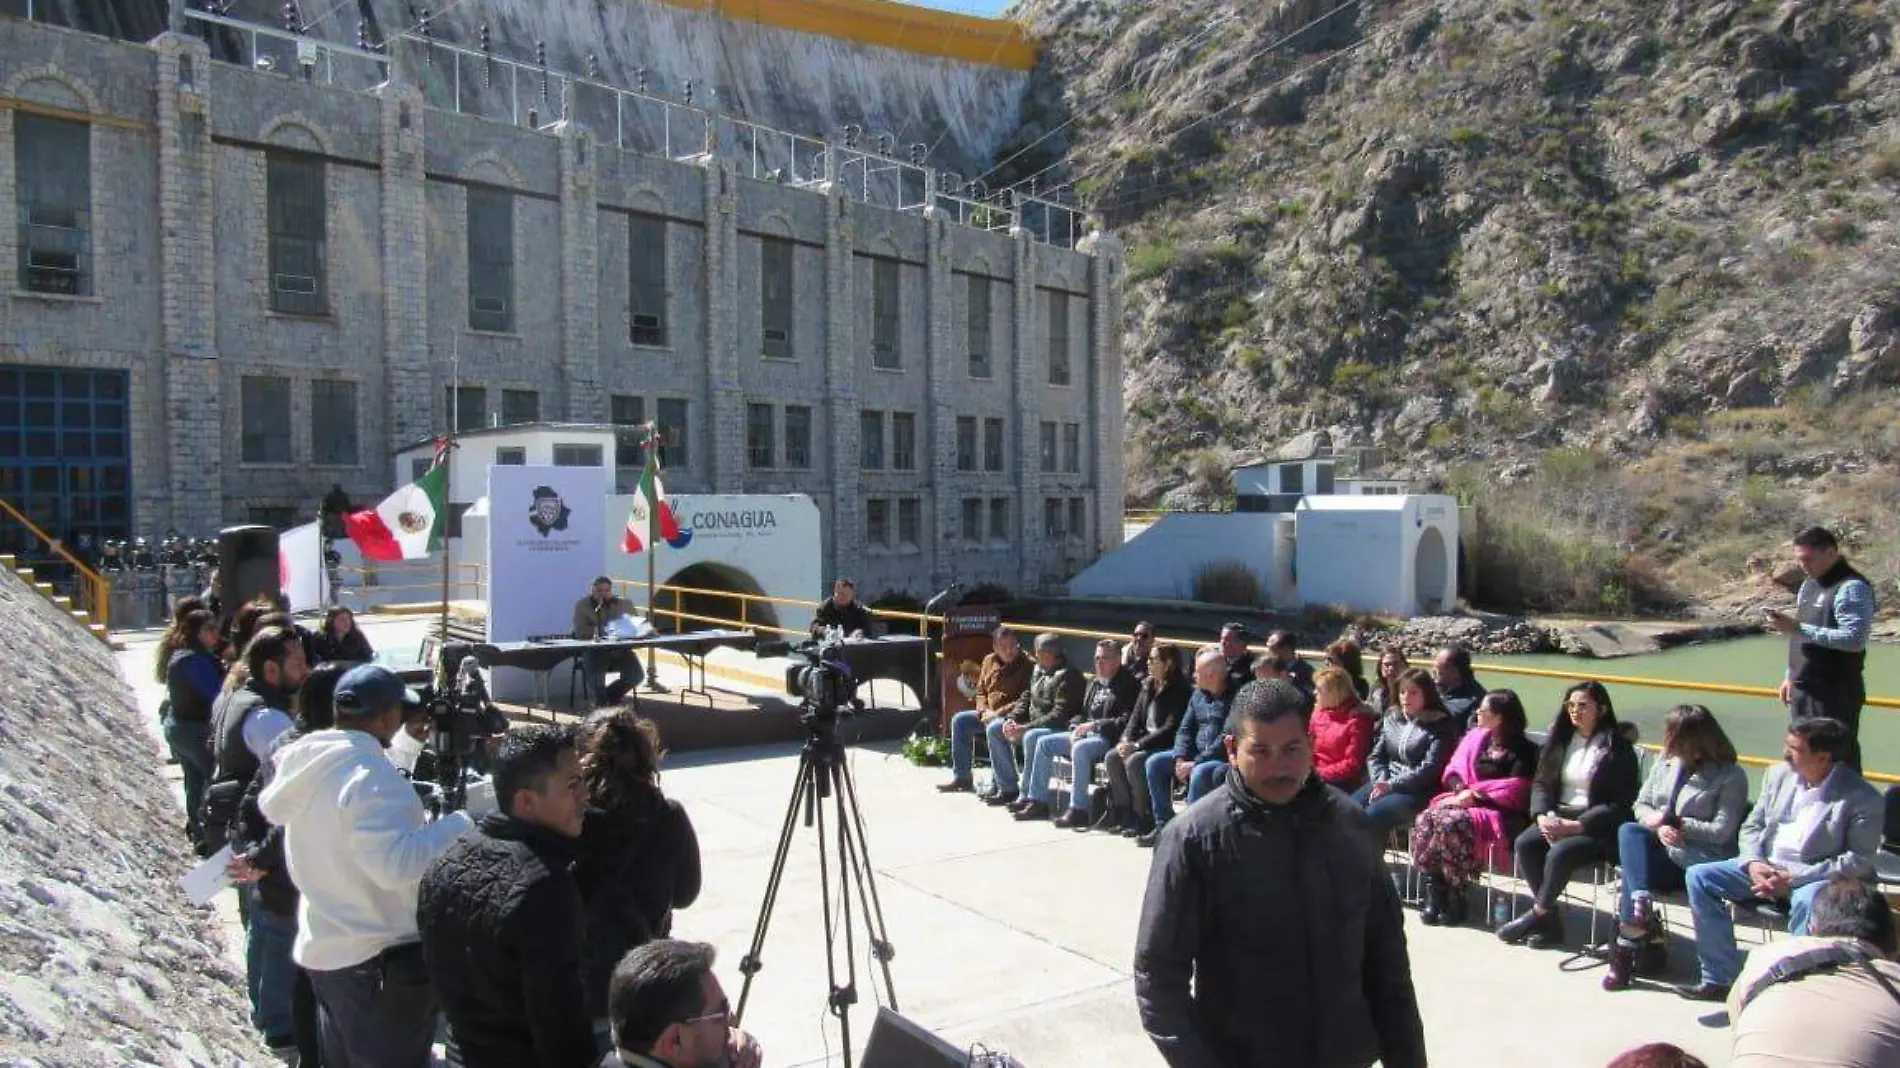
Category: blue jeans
[1206,776]
[1042,764]
[1085,755]
[1003,755]
[190,744]
[964,727]
[1647,869]
[1160,775]
[1389,813]
[270,975]
[1711,887]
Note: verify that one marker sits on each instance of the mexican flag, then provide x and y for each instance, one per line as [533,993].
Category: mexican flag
[649,503]
[408,524]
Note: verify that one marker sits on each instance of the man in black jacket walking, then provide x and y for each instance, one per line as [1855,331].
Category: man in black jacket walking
[500,916]
[1270,933]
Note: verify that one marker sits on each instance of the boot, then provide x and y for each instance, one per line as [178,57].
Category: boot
[1112,820]
[1138,826]
[1549,932]
[1622,963]
[1519,929]
[1433,913]
[1457,906]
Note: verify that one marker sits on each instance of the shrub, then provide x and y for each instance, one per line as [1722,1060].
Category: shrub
[1228,582]
[1150,260]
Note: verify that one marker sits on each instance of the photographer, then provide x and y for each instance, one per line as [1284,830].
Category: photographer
[500,915]
[357,840]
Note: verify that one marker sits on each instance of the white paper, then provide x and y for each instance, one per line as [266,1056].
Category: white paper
[209,878]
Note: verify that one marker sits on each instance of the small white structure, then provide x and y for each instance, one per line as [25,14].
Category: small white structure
[1277,485]
[1375,553]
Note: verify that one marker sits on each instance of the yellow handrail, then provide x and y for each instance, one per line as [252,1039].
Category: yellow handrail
[97,601]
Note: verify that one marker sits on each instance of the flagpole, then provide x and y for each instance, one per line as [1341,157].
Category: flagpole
[446,454]
[653,550]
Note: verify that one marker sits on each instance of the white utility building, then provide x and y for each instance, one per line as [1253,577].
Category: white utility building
[1373,553]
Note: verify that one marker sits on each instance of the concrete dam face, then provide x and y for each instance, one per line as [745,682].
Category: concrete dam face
[948,82]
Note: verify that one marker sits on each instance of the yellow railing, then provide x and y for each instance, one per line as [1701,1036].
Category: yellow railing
[920,622]
[93,594]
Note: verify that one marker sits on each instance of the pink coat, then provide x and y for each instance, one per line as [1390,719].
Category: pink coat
[1508,800]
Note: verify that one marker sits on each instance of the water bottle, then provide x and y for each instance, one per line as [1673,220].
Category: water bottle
[1500,911]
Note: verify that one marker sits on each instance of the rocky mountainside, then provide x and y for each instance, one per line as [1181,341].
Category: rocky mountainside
[1624,273]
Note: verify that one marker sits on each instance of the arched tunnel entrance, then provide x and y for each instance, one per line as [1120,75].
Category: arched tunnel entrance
[703,597]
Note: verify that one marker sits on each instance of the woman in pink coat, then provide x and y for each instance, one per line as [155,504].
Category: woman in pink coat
[1485,804]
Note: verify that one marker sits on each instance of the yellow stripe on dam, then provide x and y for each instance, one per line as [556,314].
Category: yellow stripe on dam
[903,27]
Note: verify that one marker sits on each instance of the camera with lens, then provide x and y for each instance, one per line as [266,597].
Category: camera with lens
[462,719]
[818,675]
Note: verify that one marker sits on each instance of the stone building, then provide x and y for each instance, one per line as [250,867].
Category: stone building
[231,288]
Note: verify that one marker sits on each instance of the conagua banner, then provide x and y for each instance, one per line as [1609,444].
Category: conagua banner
[546,543]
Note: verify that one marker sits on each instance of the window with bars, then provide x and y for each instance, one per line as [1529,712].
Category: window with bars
[670,413]
[53,169]
[903,441]
[265,419]
[491,260]
[798,437]
[467,407]
[1048,443]
[575,455]
[775,297]
[333,423]
[759,449]
[977,324]
[966,442]
[295,207]
[646,280]
[1058,338]
[992,444]
[1052,517]
[877,522]
[520,406]
[972,520]
[886,315]
[999,520]
[1078,518]
[1072,448]
[871,441]
[511,456]
[629,416]
[910,522]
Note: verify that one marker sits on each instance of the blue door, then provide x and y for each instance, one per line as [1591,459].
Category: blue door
[63,454]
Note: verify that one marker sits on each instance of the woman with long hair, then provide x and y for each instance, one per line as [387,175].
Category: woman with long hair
[1689,811]
[1344,654]
[341,639]
[1484,804]
[1408,754]
[174,636]
[193,678]
[639,857]
[1341,730]
[1149,728]
[1585,784]
[1385,689]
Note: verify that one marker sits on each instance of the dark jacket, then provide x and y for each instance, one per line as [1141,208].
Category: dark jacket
[1202,726]
[1462,702]
[235,762]
[1054,698]
[192,682]
[502,934]
[849,618]
[1284,919]
[1239,673]
[638,862]
[1615,778]
[1167,703]
[262,842]
[1107,703]
[1410,754]
[352,648]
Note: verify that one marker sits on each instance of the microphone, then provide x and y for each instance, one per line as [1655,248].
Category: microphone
[949,598]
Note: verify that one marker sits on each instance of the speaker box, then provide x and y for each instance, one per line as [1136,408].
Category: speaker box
[898,1043]
[247,565]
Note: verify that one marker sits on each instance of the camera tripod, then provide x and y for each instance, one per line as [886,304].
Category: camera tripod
[823,774]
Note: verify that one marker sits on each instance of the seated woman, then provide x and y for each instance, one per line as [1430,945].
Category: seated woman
[1344,655]
[1409,754]
[1385,689]
[639,857]
[1484,806]
[1149,728]
[341,640]
[1689,811]
[1583,790]
[1341,729]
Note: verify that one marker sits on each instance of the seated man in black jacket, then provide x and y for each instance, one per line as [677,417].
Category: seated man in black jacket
[669,1011]
[842,610]
[500,916]
[1270,933]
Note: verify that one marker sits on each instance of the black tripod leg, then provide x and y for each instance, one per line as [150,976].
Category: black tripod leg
[750,964]
[858,853]
[840,998]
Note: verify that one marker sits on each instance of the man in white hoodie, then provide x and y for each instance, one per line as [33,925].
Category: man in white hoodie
[357,841]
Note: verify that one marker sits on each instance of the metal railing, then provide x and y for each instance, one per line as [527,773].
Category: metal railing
[689,124]
[91,593]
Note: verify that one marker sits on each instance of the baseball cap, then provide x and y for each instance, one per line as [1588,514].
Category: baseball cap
[372,688]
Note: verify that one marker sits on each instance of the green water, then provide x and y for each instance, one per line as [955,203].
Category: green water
[1756,725]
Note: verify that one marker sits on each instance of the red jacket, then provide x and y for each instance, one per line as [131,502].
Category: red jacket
[1342,737]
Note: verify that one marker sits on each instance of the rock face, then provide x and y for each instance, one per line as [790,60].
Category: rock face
[102,961]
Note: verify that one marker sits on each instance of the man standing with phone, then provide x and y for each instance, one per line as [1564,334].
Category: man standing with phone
[1827,637]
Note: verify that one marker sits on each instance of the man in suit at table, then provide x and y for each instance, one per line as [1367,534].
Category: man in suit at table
[592,615]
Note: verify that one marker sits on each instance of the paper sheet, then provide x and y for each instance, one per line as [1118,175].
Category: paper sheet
[208,879]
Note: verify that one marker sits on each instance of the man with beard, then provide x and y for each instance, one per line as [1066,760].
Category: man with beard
[1270,934]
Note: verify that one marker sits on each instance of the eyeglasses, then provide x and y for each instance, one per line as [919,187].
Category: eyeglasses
[723,1016]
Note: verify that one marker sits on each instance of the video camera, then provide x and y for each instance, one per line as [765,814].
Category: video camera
[819,675]
[461,720]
